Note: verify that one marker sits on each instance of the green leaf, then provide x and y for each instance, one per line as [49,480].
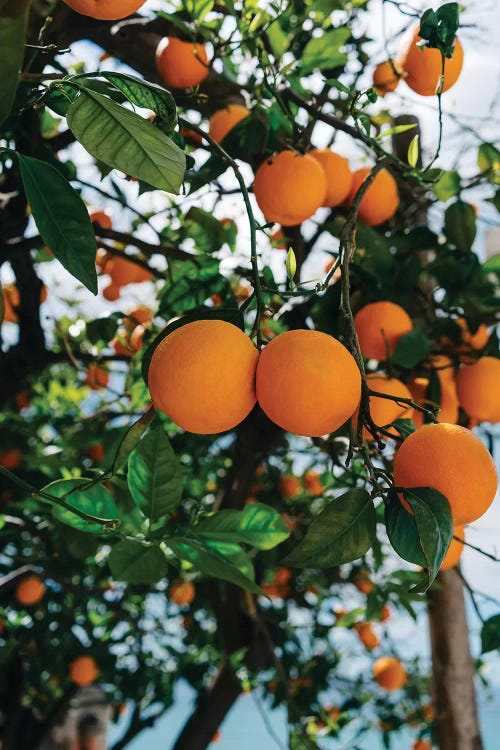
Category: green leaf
[490,634]
[411,348]
[198,9]
[155,476]
[258,525]
[212,563]
[447,186]
[61,218]
[423,538]
[13,25]
[404,426]
[413,151]
[488,161]
[101,329]
[131,439]
[395,131]
[137,563]
[94,500]
[147,95]
[323,53]
[439,27]
[126,141]
[460,225]
[291,264]
[206,231]
[492,264]
[342,532]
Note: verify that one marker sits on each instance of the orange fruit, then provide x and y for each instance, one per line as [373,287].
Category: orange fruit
[381,200]
[97,377]
[83,671]
[182,65]
[367,635]
[282,576]
[202,375]
[338,176]
[289,188]
[137,338]
[289,487]
[478,388]
[453,461]
[363,582]
[138,315]
[11,458]
[181,592]
[385,613]
[422,745]
[122,343]
[216,738]
[101,218]
[279,240]
[111,292]
[307,382]
[389,673]
[101,259]
[124,271]
[105,10]
[422,67]
[475,341]
[455,550]
[386,77]
[225,120]
[12,300]
[385,411]
[192,135]
[379,326]
[95,452]
[30,591]
[313,483]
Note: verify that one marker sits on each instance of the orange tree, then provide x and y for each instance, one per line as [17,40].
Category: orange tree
[194,469]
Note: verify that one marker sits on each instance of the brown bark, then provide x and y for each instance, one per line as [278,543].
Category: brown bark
[454,697]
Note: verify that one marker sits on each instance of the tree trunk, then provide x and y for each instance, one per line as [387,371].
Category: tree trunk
[454,697]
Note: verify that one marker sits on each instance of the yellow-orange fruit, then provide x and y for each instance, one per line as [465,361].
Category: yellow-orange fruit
[363,582]
[448,411]
[453,461]
[385,411]
[389,673]
[313,483]
[182,65]
[137,338]
[123,271]
[105,10]
[101,259]
[202,375]
[367,635]
[385,614]
[12,300]
[455,550]
[225,120]
[422,67]
[289,188]
[307,382]
[96,377]
[379,326]
[83,671]
[181,592]
[142,315]
[289,487]
[338,176]
[279,240]
[381,200]
[30,591]
[477,340]
[386,77]
[95,452]
[11,458]
[101,218]
[422,745]
[478,388]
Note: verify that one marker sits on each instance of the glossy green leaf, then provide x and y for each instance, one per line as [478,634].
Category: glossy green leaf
[404,426]
[323,53]
[460,225]
[492,264]
[212,563]
[341,533]
[93,500]
[61,218]
[396,130]
[126,141]
[423,538]
[147,95]
[131,439]
[13,25]
[155,476]
[411,348]
[490,635]
[137,563]
[447,186]
[257,524]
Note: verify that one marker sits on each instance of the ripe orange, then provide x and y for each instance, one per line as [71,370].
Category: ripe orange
[422,67]
[422,745]
[30,591]
[452,460]
[225,120]
[278,240]
[389,673]
[455,550]
[202,376]
[111,292]
[478,387]
[385,614]
[379,326]
[11,458]
[386,77]
[307,382]
[367,635]
[105,10]
[289,187]
[137,338]
[476,341]
[101,218]
[101,259]
[363,582]
[95,452]
[313,483]
[182,65]
[12,300]
[381,200]
[83,671]
[138,315]
[448,411]
[385,411]
[181,592]
[338,176]
[97,377]
[289,487]
[124,271]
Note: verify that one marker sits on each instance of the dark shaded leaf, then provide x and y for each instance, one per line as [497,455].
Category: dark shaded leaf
[411,349]
[137,563]
[490,634]
[13,24]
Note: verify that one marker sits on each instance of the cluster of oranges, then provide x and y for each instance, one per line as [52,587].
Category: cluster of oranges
[12,300]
